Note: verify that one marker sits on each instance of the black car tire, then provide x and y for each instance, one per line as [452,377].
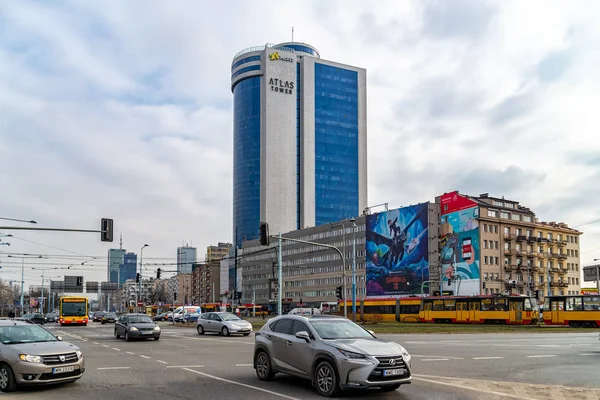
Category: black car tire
[117,334]
[11,382]
[225,331]
[156,338]
[127,338]
[102,322]
[390,388]
[200,330]
[326,380]
[246,334]
[262,363]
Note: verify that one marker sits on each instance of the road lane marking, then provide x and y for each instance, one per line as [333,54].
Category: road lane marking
[114,348]
[161,361]
[435,359]
[437,356]
[244,365]
[542,356]
[590,354]
[143,356]
[128,352]
[486,358]
[95,342]
[508,345]
[105,345]
[185,366]
[241,384]
[424,378]
[114,368]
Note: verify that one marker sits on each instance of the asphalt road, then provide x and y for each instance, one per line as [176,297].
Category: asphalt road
[184,365]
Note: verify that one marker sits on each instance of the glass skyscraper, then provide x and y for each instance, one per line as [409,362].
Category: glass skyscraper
[299,137]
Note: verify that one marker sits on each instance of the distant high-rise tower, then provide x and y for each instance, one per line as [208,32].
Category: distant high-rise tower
[299,139]
[185,257]
[128,269]
[115,259]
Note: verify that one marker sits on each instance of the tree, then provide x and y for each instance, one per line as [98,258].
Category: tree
[161,294]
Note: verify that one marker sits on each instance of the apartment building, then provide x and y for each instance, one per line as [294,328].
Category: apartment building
[206,282]
[179,289]
[218,252]
[516,248]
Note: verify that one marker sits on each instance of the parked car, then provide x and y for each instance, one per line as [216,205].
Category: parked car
[332,352]
[192,317]
[52,317]
[224,323]
[160,317]
[136,326]
[33,318]
[30,355]
[109,317]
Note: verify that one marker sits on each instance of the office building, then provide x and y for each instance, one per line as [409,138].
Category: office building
[206,281]
[128,269]
[512,251]
[299,135]
[115,259]
[218,252]
[186,256]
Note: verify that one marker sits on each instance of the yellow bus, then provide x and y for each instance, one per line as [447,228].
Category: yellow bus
[73,311]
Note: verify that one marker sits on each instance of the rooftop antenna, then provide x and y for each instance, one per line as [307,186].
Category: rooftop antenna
[121,242]
[292,33]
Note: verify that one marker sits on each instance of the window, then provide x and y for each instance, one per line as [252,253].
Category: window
[485,276]
[485,228]
[504,215]
[300,326]
[496,243]
[515,217]
[549,235]
[519,232]
[283,326]
[497,261]
[526,218]
[495,228]
[485,259]
[485,244]
[492,213]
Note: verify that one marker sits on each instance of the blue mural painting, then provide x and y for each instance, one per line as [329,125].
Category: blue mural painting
[397,251]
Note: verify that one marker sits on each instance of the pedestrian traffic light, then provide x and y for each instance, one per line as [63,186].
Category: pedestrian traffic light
[106,230]
[137,278]
[339,292]
[79,281]
[158,271]
[264,234]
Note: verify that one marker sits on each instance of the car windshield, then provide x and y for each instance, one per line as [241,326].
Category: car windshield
[110,315]
[140,319]
[229,317]
[27,316]
[339,330]
[14,334]
[74,309]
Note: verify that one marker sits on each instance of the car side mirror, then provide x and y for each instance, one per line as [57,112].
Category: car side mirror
[303,335]
[59,338]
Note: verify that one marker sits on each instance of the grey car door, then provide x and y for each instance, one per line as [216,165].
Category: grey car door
[280,336]
[298,353]
[216,323]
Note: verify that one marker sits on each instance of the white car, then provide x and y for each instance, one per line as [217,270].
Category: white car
[224,323]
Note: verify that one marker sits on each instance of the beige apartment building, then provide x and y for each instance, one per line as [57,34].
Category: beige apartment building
[206,281]
[218,252]
[518,249]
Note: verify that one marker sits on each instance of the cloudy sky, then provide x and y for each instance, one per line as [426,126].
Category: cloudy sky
[123,109]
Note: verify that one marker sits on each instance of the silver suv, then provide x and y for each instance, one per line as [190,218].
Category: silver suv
[333,352]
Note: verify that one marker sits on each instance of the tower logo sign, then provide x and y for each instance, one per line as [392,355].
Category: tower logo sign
[275,56]
[279,85]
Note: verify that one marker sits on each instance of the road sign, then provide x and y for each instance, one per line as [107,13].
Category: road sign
[140,303]
[590,273]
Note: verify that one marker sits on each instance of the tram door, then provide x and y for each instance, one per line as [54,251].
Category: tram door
[516,310]
[557,306]
[474,307]
[427,311]
[462,311]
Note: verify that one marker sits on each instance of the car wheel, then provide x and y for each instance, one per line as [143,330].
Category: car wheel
[7,379]
[225,331]
[390,388]
[246,334]
[127,338]
[102,322]
[156,338]
[263,366]
[325,379]
[117,334]
[200,330]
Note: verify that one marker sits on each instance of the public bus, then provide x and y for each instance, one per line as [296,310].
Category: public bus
[576,311]
[73,310]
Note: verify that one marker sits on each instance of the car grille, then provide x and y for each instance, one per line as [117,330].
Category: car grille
[55,359]
[146,329]
[385,363]
[48,375]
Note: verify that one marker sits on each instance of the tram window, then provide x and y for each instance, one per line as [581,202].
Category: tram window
[410,309]
[577,303]
[500,305]
[380,309]
[591,303]
[438,305]
[486,305]
[528,305]
[546,305]
[449,305]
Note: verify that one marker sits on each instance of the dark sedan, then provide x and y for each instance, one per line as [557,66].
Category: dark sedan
[109,317]
[52,317]
[161,317]
[97,316]
[136,326]
[33,318]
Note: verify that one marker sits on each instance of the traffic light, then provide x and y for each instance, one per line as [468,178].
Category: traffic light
[449,282]
[339,292]
[106,228]
[514,284]
[137,278]
[537,294]
[484,285]
[174,296]
[158,271]
[264,234]
[79,281]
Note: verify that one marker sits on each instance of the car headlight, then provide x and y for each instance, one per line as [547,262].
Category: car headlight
[30,358]
[351,355]
[133,328]
[79,354]
[404,353]
[157,328]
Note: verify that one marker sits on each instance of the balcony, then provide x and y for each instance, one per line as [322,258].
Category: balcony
[552,255]
[507,252]
[508,236]
[531,254]
[555,270]
[562,243]
[555,284]
[542,240]
[561,256]
[521,238]
[531,239]
[563,284]
[519,253]
[541,256]
[510,267]
[563,271]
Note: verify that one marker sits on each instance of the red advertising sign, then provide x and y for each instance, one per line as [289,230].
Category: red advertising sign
[452,202]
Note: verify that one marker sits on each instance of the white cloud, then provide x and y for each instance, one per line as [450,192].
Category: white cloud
[123,109]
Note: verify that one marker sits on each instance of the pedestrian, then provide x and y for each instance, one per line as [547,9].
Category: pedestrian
[11,314]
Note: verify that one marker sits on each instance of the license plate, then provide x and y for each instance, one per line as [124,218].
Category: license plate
[62,370]
[393,372]
[146,332]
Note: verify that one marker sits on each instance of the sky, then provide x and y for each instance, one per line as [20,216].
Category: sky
[124,110]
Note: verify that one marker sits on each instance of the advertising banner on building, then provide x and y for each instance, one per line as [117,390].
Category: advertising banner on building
[459,244]
[397,248]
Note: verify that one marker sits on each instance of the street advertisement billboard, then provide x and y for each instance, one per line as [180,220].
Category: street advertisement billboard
[459,244]
[397,249]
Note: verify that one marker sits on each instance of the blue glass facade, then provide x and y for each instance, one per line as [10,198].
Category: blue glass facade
[336,143]
[128,270]
[299,47]
[298,90]
[244,61]
[245,69]
[246,159]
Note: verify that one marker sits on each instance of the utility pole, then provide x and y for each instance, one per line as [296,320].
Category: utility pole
[279,277]
[42,302]
[22,284]
[353,268]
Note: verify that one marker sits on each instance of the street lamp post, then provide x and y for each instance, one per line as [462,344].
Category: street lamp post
[22,279]
[344,271]
[141,266]
[353,268]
